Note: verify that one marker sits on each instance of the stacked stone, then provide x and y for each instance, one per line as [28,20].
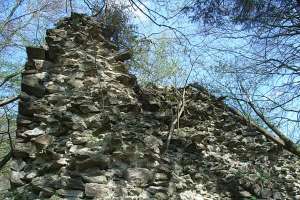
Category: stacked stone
[222,155]
[72,91]
[87,131]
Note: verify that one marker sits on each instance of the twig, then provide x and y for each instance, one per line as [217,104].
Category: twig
[12,12]
[180,107]
[10,76]
[156,23]
[5,159]
[8,156]
[286,142]
[5,102]
[175,121]
[71,6]
[8,131]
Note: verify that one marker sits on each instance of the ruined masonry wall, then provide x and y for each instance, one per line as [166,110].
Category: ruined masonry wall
[86,130]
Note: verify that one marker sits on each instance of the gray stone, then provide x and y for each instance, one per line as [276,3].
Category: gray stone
[245,194]
[126,79]
[16,177]
[95,179]
[97,190]
[80,140]
[61,162]
[139,176]
[72,183]
[23,150]
[51,88]
[266,193]
[4,183]
[161,196]
[76,83]
[297,197]
[31,175]
[145,195]
[58,99]
[44,183]
[32,85]
[69,193]
[156,189]
[277,196]
[81,153]
[42,64]
[198,137]
[89,109]
[161,176]
[153,143]
[43,141]
[46,192]
[100,161]
[61,33]
[188,195]
[17,165]
[34,133]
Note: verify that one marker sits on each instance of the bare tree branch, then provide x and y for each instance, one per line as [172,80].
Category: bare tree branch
[5,159]
[8,131]
[287,143]
[8,101]
[7,78]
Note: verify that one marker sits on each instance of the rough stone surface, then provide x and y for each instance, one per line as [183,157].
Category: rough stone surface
[96,190]
[87,130]
[139,176]
[4,184]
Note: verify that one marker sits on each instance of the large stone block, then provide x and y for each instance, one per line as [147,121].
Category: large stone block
[29,108]
[33,133]
[25,108]
[24,150]
[32,85]
[24,121]
[36,53]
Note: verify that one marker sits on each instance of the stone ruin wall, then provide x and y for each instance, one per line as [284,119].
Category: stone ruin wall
[85,130]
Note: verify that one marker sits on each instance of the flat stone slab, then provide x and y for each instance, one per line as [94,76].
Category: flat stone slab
[70,193]
[36,53]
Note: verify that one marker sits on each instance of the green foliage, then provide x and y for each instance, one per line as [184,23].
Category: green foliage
[14,195]
[4,137]
[250,13]
[155,62]
[116,23]
[4,149]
